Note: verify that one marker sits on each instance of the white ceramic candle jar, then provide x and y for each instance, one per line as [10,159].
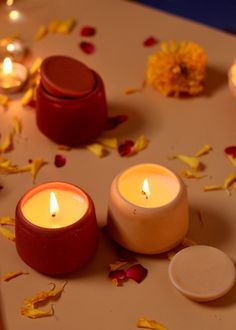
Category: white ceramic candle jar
[148,209]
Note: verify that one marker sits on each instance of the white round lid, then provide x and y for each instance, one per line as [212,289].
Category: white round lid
[202,273]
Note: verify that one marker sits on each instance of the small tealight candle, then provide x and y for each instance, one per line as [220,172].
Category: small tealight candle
[148,209]
[13,48]
[12,76]
[56,228]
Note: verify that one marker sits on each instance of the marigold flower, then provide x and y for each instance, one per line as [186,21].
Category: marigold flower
[177,69]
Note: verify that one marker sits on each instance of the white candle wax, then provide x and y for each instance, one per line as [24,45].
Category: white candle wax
[72,207]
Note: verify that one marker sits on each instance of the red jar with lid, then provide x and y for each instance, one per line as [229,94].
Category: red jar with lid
[71,106]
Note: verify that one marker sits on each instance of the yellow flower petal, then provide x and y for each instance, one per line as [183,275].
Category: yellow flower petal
[212,188]
[35,66]
[41,33]
[35,166]
[150,324]
[108,142]
[97,149]
[117,265]
[232,159]
[28,96]
[11,275]
[140,144]
[191,161]
[129,91]
[4,100]
[7,220]
[203,151]
[16,123]
[34,313]
[7,233]
[53,26]
[7,144]
[66,26]
[190,175]
[231,178]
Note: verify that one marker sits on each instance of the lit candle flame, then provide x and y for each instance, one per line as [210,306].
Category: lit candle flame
[145,188]
[7,66]
[54,208]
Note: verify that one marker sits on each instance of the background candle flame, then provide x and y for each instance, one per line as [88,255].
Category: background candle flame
[54,208]
[145,188]
[7,66]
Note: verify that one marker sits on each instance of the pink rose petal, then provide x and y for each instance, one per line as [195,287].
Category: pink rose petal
[150,41]
[87,31]
[118,275]
[230,151]
[125,149]
[59,160]
[113,122]
[87,47]
[136,272]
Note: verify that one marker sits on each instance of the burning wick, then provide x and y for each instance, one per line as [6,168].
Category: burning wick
[54,208]
[145,189]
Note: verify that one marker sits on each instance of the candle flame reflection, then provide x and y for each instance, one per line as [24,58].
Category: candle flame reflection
[54,208]
[145,188]
[7,66]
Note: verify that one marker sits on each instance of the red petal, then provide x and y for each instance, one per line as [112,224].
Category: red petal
[231,151]
[87,47]
[119,275]
[113,122]
[136,272]
[87,31]
[149,42]
[125,148]
[59,161]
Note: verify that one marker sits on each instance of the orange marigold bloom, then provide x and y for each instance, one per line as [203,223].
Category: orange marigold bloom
[177,69]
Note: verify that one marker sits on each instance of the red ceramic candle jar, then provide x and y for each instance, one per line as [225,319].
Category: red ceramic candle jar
[71,105]
[61,242]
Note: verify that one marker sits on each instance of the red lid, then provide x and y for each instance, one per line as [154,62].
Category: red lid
[64,76]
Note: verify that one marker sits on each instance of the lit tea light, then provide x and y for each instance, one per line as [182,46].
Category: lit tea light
[12,76]
[148,209]
[12,47]
[56,228]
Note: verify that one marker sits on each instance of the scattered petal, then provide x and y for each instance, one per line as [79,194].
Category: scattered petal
[87,47]
[7,220]
[53,26]
[140,144]
[204,150]
[41,33]
[118,265]
[230,151]
[16,123]
[34,313]
[232,159]
[129,91]
[59,160]
[9,276]
[113,122]
[150,41]
[7,144]
[193,162]
[87,31]
[228,182]
[212,188]
[4,100]
[118,277]
[150,324]
[125,148]
[97,149]
[66,26]
[7,233]
[28,97]
[108,142]
[35,66]
[35,166]
[190,175]
[136,272]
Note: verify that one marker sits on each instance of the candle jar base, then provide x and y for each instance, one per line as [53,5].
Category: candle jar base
[56,251]
[148,230]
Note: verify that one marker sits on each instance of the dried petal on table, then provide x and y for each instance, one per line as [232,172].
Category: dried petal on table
[232,159]
[118,277]
[7,220]
[230,151]
[87,47]
[53,26]
[7,233]
[150,324]
[140,144]
[11,275]
[28,96]
[34,313]
[59,160]
[125,149]
[17,127]
[87,31]
[130,91]
[66,26]
[96,149]
[230,180]
[150,41]
[136,272]
[108,142]
[35,166]
[41,33]
[203,151]
[190,175]
[35,66]
[113,122]
[4,100]
[118,265]
[191,161]
[207,188]
[7,144]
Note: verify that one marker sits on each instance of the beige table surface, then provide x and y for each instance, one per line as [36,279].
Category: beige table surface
[90,301]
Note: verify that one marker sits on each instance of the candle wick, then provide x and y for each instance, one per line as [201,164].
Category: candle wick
[144,193]
[53,214]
